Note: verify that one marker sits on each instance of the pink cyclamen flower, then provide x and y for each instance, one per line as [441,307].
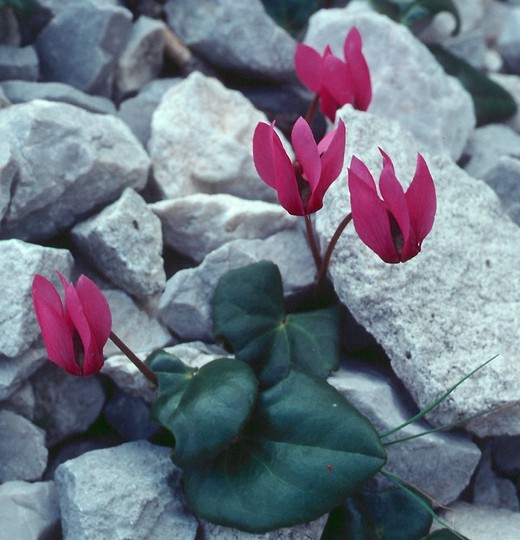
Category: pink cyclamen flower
[301,185]
[395,225]
[336,81]
[75,331]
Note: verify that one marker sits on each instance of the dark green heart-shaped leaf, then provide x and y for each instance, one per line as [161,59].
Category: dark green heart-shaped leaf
[204,409]
[292,15]
[248,310]
[423,11]
[412,12]
[492,103]
[305,450]
[391,514]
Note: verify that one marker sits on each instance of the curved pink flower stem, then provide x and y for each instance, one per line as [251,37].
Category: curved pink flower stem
[138,363]
[330,248]
[312,242]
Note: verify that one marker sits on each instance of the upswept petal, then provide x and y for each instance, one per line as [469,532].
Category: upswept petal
[393,195]
[337,81]
[328,105]
[306,152]
[421,200]
[359,74]
[332,158]
[309,67]
[96,309]
[56,330]
[92,361]
[263,153]
[369,213]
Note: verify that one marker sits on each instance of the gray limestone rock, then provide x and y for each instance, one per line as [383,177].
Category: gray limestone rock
[487,145]
[197,224]
[66,405]
[22,401]
[304,531]
[124,243]
[23,91]
[451,308]
[137,111]
[504,178]
[23,455]
[19,262]
[406,79]
[201,141]
[491,490]
[185,306]
[235,36]
[140,330]
[508,43]
[15,371]
[18,63]
[441,464]
[130,491]
[69,162]
[8,172]
[480,522]
[142,58]
[29,511]
[84,56]
[9,29]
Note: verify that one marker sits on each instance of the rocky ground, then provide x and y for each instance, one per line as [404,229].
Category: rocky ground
[125,154]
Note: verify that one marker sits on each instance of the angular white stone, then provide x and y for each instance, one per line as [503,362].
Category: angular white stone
[198,224]
[124,243]
[304,531]
[441,464]
[65,404]
[201,141]
[408,84]
[185,306]
[453,306]
[77,161]
[15,371]
[504,178]
[19,262]
[487,145]
[481,522]
[238,36]
[142,57]
[137,328]
[29,511]
[23,455]
[508,43]
[129,491]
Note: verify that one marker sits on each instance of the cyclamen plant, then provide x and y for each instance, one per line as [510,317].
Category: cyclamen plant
[263,440]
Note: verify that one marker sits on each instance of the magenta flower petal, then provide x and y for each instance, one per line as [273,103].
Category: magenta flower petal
[332,149]
[309,66]
[393,195]
[306,152]
[96,309]
[76,332]
[359,73]
[56,330]
[263,153]
[421,200]
[337,81]
[275,168]
[369,213]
